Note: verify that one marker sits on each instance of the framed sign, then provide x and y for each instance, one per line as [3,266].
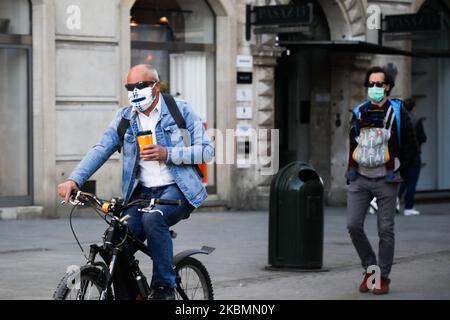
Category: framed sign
[413,22]
[244,77]
[282,14]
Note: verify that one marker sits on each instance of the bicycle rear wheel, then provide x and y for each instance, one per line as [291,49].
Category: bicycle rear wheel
[193,281]
[85,286]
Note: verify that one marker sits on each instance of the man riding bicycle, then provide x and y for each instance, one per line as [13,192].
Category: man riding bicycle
[164,169]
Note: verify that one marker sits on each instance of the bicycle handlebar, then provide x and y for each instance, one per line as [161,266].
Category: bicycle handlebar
[168,202]
[82,197]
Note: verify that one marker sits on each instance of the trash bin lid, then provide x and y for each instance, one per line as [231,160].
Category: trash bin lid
[295,175]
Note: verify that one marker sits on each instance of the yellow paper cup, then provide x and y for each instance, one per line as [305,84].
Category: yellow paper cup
[144,138]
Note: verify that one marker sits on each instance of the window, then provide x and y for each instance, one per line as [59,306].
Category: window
[15,102]
[15,17]
[178,38]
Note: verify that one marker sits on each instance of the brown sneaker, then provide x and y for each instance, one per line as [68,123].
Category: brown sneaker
[363,286]
[384,287]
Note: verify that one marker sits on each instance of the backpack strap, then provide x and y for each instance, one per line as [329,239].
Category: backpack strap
[121,129]
[397,106]
[174,111]
[179,120]
[357,114]
[389,118]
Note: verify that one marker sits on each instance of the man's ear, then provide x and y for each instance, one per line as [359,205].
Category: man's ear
[155,88]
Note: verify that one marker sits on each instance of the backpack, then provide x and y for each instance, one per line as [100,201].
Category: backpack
[176,115]
[373,150]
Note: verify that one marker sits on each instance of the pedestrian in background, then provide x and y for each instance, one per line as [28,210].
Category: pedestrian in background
[408,186]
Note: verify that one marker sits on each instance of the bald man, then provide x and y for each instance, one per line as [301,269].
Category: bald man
[164,169]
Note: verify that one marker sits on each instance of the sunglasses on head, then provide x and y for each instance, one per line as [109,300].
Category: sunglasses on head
[140,85]
[378,84]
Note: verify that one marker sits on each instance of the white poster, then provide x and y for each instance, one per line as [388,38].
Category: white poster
[243,94]
[244,61]
[244,112]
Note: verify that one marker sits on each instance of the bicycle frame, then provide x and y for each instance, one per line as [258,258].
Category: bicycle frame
[128,280]
[110,251]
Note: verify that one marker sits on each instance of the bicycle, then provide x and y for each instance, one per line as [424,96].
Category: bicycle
[116,278]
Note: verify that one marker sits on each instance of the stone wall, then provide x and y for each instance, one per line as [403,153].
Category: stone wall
[79,64]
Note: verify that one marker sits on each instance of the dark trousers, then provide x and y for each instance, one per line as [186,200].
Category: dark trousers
[360,192]
[410,182]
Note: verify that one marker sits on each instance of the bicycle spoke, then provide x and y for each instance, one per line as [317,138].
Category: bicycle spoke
[190,282]
[187,279]
[196,288]
[90,288]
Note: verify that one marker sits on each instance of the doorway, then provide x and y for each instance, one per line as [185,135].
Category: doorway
[293,105]
[302,90]
[430,83]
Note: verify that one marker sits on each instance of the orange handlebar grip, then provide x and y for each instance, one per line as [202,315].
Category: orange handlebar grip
[105,207]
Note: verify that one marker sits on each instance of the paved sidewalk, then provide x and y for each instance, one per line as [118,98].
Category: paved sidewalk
[35,253]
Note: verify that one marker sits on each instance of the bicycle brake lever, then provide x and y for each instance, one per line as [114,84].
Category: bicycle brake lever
[74,200]
[124,219]
[149,207]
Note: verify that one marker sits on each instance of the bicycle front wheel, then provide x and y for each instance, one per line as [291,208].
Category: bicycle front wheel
[86,285]
[193,280]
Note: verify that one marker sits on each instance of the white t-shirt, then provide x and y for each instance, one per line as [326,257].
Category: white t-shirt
[153,173]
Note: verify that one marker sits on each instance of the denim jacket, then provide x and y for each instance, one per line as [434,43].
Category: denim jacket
[179,156]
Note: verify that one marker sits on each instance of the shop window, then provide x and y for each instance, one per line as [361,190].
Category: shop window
[178,38]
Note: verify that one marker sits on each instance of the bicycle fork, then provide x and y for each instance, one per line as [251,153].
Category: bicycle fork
[109,275]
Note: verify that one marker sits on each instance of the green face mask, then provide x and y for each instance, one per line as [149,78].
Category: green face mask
[376,94]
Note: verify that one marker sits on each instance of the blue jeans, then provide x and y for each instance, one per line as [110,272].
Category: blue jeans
[154,227]
[410,182]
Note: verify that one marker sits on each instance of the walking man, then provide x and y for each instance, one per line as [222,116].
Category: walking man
[382,143]
[412,176]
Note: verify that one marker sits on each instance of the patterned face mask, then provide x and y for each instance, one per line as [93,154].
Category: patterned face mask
[141,99]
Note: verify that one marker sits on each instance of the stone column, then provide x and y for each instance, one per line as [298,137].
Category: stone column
[44,133]
[253,189]
[124,46]
[226,48]
[265,60]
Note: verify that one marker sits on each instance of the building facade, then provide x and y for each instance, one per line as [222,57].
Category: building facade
[63,64]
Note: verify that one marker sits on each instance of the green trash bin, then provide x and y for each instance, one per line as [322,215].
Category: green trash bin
[296,218]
